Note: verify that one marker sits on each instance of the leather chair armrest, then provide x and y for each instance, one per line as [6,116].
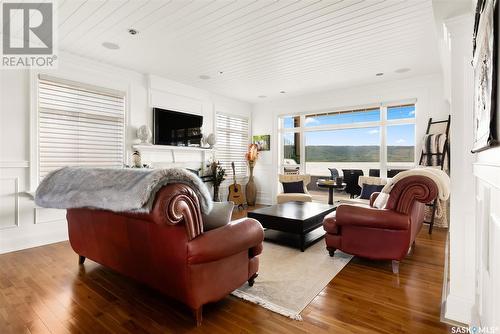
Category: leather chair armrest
[371,217]
[373,197]
[235,237]
[173,204]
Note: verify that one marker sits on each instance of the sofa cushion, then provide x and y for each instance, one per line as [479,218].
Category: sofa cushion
[355,201]
[368,189]
[295,197]
[219,216]
[293,187]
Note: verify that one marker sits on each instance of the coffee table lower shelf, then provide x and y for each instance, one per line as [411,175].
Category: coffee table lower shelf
[300,241]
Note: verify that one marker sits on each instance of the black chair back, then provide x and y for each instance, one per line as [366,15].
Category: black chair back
[394,172]
[351,178]
[334,173]
[374,172]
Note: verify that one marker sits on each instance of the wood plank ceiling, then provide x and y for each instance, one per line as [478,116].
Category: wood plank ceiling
[261,47]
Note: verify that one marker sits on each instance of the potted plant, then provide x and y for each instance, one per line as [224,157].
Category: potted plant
[218,177]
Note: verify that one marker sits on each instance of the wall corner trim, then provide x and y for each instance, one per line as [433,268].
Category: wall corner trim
[458,309]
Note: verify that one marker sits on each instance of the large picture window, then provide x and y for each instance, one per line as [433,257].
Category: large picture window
[78,125]
[372,139]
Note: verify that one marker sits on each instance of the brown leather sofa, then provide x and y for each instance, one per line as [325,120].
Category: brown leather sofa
[381,234]
[167,248]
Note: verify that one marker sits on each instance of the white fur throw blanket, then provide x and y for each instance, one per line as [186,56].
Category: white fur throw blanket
[119,190]
[439,177]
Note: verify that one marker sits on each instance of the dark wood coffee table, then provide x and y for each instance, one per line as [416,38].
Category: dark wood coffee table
[299,218]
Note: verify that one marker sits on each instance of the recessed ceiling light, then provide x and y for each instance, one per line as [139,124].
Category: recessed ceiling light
[221,72]
[262,96]
[132,31]
[111,46]
[282,92]
[204,77]
[402,70]
[379,74]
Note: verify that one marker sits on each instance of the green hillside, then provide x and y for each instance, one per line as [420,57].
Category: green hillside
[326,153]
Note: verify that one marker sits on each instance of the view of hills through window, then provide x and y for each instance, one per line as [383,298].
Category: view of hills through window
[359,144]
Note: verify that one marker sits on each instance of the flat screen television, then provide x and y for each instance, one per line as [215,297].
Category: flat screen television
[176,128]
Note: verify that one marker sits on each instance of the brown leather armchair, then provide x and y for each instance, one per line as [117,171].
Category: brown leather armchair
[381,234]
[167,248]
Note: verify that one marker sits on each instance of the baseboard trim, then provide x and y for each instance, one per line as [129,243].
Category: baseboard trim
[458,310]
[48,234]
[457,314]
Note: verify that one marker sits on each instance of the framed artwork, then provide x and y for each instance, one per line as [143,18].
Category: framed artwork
[485,65]
[263,142]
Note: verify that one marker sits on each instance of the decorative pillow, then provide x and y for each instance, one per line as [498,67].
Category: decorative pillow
[219,216]
[293,187]
[369,189]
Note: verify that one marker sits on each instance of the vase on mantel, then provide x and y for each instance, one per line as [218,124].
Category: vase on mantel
[250,189]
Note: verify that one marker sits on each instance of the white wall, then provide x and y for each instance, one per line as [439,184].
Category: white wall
[462,232]
[427,90]
[474,269]
[22,225]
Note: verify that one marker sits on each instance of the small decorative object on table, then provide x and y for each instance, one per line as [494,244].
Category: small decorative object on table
[144,134]
[136,159]
[250,190]
[330,185]
[218,177]
[210,140]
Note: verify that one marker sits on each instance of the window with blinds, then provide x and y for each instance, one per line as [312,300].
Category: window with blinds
[232,142]
[78,125]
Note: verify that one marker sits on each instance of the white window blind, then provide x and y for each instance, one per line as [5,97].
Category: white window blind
[232,142]
[78,125]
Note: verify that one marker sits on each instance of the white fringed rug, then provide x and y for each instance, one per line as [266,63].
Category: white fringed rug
[289,279]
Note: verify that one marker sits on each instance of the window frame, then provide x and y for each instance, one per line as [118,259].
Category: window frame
[34,145]
[383,124]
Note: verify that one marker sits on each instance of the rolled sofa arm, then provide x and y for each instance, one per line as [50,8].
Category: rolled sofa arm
[175,203]
[235,237]
[370,217]
[411,189]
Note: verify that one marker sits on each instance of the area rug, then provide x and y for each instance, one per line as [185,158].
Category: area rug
[290,279]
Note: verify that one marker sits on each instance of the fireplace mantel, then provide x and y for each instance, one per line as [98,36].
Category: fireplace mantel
[173,150]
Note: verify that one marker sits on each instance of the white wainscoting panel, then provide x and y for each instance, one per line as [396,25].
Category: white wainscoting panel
[266,189]
[22,224]
[14,164]
[45,216]
[9,202]
[176,102]
[487,294]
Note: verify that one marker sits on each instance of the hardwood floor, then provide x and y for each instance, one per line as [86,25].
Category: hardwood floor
[43,290]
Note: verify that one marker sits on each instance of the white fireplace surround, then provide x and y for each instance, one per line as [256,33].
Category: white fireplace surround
[165,156]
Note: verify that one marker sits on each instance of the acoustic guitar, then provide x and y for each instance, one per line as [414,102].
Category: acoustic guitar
[235,194]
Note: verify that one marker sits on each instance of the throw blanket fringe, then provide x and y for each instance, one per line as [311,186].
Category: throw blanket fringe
[118,190]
